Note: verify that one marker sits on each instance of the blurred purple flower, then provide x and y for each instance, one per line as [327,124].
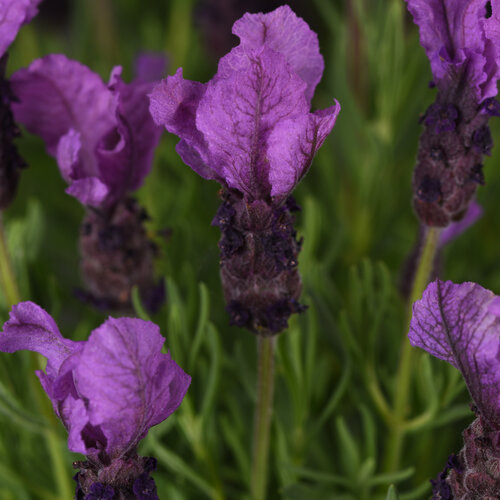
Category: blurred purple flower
[102,135]
[108,391]
[150,66]
[13,14]
[455,229]
[462,41]
[460,324]
[250,127]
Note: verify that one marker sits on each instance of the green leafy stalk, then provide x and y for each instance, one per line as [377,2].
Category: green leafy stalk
[12,296]
[263,412]
[7,279]
[403,378]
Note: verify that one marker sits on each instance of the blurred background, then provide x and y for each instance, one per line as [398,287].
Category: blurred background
[329,434]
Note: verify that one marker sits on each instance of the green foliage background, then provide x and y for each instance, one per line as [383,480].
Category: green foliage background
[330,433]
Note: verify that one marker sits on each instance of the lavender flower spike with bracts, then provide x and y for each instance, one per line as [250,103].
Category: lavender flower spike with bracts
[462,40]
[13,14]
[108,392]
[461,325]
[250,129]
[103,139]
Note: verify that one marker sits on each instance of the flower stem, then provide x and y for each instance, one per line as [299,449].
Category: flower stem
[404,373]
[7,279]
[12,296]
[263,412]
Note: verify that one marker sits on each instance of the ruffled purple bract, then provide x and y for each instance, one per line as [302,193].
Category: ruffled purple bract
[462,40]
[250,127]
[108,391]
[13,14]
[460,324]
[102,135]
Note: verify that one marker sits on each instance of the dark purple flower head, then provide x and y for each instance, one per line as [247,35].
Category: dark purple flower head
[108,391]
[13,14]
[250,127]
[102,135]
[461,324]
[462,41]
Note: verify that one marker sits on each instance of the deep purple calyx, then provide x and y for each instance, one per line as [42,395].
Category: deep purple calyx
[259,258]
[123,479]
[116,255]
[475,472]
[10,161]
[441,490]
[451,149]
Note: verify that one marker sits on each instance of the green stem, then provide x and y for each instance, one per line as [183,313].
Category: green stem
[404,373]
[263,412]
[12,296]
[7,279]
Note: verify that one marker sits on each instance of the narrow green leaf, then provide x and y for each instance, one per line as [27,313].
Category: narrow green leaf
[392,493]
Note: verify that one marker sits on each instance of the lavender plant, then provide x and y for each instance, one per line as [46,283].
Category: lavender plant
[103,139]
[14,15]
[460,324]
[336,367]
[107,391]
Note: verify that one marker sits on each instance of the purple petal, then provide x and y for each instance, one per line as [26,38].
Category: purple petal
[455,323]
[239,111]
[284,32]
[125,154]
[150,66]
[292,146]
[456,34]
[89,191]
[57,94]
[33,329]
[129,384]
[13,14]
[173,104]
[455,229]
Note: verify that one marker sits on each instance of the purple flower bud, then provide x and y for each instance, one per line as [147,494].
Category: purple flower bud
[101,135]
[108,391]
[442,118]
[482,141]
[491,106]
[99,491]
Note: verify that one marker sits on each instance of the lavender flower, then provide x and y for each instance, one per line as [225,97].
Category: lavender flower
[107,391]
[250,129]
[13,14]
[462,40]
[461,324]
[103,139]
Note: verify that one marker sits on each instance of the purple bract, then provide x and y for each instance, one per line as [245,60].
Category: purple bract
[462,40]
[250,127]
[108,391]
[13,14]
[461,324]
[102,135]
